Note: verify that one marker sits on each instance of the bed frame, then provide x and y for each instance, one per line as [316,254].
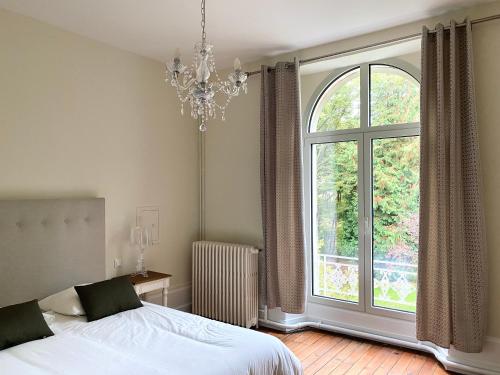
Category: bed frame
[47,245]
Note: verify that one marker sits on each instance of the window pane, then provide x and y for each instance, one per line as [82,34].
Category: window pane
[338,107]
[335,220]
[395,222]
[394,96]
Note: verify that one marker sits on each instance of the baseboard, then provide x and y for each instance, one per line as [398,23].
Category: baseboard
[485,363]
[186,308]
[487,360]
[179,297]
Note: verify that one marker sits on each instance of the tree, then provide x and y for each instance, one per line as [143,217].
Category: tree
[394,99]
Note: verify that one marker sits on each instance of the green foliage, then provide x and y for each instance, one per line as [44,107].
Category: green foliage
[395,198]
[341,111]
[337,195]
[395,99]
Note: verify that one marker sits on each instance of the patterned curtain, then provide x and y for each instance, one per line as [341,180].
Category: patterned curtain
[452,275]
[281,189]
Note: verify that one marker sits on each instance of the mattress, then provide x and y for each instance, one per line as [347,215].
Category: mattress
[150,340]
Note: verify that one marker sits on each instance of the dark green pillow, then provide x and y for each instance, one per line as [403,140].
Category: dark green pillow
[22,323]
[108,297]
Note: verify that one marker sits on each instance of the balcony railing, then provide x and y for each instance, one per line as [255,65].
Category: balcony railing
[394,282]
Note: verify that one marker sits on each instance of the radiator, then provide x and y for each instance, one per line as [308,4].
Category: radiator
[225,282]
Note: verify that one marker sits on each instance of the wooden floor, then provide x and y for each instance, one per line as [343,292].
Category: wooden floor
[327,353]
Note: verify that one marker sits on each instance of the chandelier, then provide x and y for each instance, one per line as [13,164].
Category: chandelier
[200,84]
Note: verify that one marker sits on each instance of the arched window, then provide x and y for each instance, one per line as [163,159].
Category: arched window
[362,170]
[338,107]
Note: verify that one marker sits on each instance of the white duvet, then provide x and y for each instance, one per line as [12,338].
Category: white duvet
[150,340]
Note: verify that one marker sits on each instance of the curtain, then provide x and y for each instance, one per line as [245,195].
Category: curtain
[452,274]
[281,189]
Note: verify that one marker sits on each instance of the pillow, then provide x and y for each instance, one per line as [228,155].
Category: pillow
[108,297]
[49,318]
[22,323]
[66,302]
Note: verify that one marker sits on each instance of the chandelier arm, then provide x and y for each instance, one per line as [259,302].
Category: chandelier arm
[226,91]
[219,88]
[223,86]
[187,85]
[223,107]
[187,81]
[230,90]
[218,78]
[180,91]
[187,78]
[181,88]
[182,99]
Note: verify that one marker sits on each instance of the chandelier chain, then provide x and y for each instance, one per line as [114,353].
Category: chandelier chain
[203,33]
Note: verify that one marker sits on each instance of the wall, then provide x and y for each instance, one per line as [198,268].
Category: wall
[80,118]
[232,175]
[232,148]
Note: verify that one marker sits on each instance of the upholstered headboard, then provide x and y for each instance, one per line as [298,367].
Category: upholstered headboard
[47,245]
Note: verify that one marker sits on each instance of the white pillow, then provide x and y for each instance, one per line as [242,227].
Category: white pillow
[49,318]
[66,302]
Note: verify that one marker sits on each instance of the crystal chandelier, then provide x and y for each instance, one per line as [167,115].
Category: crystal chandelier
[193,83]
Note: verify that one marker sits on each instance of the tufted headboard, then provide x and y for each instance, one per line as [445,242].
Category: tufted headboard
[47,245]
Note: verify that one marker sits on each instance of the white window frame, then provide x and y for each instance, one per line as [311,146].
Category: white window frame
[364,136]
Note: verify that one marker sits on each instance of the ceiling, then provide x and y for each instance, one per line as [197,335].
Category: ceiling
[251,29]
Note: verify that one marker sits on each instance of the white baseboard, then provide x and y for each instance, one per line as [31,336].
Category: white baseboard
[488,360]
[179,297]
[185,308]
[485,363]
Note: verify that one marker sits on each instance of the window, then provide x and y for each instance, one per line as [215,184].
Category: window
[340,104]
[362,164]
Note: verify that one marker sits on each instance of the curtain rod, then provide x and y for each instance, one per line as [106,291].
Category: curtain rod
[377,44]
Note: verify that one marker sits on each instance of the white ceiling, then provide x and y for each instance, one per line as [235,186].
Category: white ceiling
[249,29]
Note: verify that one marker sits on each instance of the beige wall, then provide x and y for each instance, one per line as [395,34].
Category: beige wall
[80,118]
[232,148]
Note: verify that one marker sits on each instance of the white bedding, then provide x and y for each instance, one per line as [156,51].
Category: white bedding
[150,340]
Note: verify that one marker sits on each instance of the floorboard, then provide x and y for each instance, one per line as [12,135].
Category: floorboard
[325,353]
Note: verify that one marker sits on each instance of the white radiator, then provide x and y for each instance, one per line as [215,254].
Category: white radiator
[225,282]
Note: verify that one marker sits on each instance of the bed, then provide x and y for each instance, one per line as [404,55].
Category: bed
[149,340]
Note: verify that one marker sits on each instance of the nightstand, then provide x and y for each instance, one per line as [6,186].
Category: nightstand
[154,281]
